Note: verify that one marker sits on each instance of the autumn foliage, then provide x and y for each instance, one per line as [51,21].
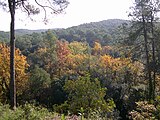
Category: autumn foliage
[73,76]
[21,66]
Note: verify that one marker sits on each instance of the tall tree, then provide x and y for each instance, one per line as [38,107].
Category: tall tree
[56,7]
[20,71]
[144,14]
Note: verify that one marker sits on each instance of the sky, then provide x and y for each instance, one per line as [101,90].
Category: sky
[77,12]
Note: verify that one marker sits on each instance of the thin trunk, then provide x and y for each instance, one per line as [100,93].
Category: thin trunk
[147,59]
[89,60]
[153,57]
[12,55]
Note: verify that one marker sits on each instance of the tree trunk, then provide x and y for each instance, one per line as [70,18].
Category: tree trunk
[12,55]
[153,57]
[150,86]
[147,59]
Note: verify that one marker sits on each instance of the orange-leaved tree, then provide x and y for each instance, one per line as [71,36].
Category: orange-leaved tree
[62,51]
[20,71]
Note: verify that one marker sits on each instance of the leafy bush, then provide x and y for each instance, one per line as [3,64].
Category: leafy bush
[26,112]
[144,110]
[157,104]
[88,94]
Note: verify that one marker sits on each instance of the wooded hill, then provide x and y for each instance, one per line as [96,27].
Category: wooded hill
[106,32]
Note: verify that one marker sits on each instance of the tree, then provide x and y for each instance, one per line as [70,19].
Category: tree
[20,71]
[50,55]
[144,17]
[41,79]
[87,93]
[62,51]
[56,7]
[97,48]
[23,43]
[78,47]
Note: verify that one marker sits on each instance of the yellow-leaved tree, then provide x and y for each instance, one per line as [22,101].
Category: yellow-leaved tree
[20,72]
[97,49]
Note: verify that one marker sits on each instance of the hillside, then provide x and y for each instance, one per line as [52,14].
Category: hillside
[104,31]
[105,24]
[26,31]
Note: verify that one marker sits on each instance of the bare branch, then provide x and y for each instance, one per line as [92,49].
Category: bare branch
[50,6]
[45,12]
[55,6]
[25,8]
[44,6]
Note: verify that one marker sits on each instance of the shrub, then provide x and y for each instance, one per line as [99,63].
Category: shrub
[26,112]
[144,110]
[88,94]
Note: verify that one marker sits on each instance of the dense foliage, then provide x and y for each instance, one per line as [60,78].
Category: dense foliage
[94,71]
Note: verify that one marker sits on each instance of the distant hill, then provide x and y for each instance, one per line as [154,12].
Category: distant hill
[4,36]
[26,31]
[103,31]
[106,32]
[105,24]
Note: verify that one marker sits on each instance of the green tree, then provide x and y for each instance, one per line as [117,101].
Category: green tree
[144,17]
[87,93]
[39,81]
[23,43]
[78,47]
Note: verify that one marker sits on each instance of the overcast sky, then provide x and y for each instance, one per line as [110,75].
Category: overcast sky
[78,12]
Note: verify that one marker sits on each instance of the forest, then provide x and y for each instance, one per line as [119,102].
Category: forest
[107,70]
